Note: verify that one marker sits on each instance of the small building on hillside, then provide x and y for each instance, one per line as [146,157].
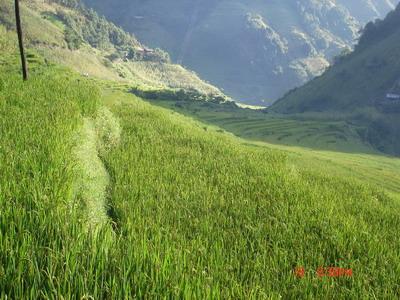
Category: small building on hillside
[144,50]
[390,103]
[392,96]
[394,93]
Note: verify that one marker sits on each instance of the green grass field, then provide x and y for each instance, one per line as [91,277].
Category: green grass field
[329,147]
[312,132]
[106,196]
[379,171]
[180,212]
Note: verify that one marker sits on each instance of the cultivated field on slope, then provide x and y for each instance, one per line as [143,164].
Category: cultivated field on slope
[43,245]
[229,220]
[376,170]
[313,132]
[328,147]
[188,210]
[194,212]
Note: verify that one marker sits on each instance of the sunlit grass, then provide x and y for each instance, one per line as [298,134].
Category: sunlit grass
[195,213]
[114,198]
[40,231]
[214,217]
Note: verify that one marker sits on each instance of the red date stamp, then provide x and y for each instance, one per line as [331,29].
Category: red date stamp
[299,272]
[333,272]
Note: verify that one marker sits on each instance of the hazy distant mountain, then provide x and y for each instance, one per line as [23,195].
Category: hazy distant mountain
[356,80]
[358,86]
[255,50]
[367,10]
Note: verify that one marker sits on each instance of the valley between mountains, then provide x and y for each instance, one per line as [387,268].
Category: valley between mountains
[126,175]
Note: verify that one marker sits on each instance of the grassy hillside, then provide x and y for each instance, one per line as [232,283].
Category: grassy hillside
[41,202]
[326,147]
[257,125]
[79,38]
[183,226]
[105,196]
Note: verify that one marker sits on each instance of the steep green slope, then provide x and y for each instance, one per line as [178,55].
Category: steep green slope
[172,210]
[355,87]
[358,79]
[280,129]
[203,251]
[66,33]
[195,213]
[43,211]
[255,50]
[315,142]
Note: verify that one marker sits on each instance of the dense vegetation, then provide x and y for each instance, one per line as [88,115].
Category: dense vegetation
[378,30]
[178,95]
[356,87]
[115,198]
[314,142]
[105,196]
[88,26]
[39,227]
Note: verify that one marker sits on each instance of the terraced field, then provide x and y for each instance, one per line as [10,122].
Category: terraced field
[382,172]
[105,196]
[332,148]
[274,128]
[181,208]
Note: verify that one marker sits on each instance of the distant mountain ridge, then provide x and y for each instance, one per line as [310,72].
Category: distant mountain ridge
[255,50]
[368,10]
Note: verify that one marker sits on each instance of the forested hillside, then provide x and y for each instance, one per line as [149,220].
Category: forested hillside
[67,32]
[254,50]
[356,87]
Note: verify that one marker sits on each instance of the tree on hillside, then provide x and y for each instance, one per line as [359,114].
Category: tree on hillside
[20,41]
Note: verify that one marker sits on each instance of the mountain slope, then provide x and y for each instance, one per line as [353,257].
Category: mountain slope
[188,213]
[356,86]
[368,10]
[104,196]
[65,32]
[254,50]
[356,80]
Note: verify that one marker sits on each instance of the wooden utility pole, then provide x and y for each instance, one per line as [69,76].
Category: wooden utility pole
[21,41]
